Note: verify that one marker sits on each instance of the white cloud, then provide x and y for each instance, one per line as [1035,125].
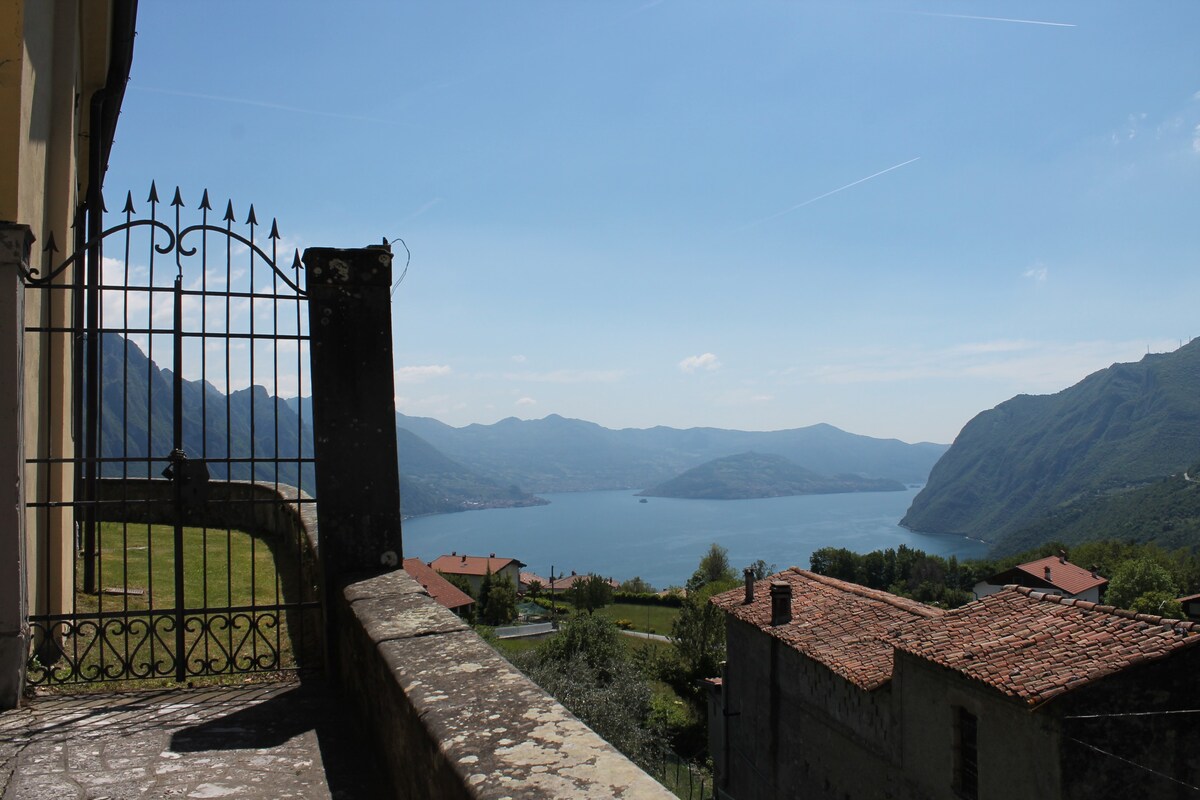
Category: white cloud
[421,373]
[527,401]
[1196,139]
[707,361]
[520,359]
[1037,273]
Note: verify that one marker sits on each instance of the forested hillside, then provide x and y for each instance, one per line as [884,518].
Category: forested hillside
[1122,427]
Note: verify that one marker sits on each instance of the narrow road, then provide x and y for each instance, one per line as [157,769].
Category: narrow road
[639,635]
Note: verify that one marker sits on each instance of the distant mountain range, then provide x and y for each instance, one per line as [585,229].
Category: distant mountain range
[755,475]
[1031,460]
[253,434]
[556,454]
[443,468]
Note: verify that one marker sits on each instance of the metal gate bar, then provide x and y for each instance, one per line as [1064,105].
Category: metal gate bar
[161,481]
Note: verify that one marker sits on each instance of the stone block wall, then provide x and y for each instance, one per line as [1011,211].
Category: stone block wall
[822,737]
[452,717]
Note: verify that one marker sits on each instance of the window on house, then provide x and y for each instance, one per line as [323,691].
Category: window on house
[966,754]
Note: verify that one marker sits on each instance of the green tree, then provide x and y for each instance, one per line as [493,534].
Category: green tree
[836,562]
[1135,578]
[1162,604]
[636,585]
[500,608]
[534,589]
[588,670]
[591,592]
[485,587]
[760,569]
[698,634]
[714,567]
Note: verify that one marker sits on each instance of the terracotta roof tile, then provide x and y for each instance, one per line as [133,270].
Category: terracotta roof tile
[438,587]
[1070,578]
[471,565]
[1032,645]
[839,624]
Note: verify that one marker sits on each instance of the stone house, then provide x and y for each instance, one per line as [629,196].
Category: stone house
[833,690]
[1054,574]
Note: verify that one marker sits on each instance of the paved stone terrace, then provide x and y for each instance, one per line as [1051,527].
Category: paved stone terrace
[281,740]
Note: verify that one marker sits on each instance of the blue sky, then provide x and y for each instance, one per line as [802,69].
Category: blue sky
[886,216]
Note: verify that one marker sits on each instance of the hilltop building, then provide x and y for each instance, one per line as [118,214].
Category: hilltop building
[474,568]
[832,690]
[1191,606]
[1053,573]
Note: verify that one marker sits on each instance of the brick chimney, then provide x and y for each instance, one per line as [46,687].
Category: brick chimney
[781,602]
[748,577]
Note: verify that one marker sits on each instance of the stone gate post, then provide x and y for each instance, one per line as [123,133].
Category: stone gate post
[354,412]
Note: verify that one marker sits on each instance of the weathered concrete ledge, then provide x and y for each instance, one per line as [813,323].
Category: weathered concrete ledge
[453,718]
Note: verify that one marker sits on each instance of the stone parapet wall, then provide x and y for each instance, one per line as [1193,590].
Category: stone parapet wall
[257,508]
[452,717]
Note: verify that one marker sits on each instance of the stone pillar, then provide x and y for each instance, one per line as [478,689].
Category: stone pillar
[354,412]
[16,241]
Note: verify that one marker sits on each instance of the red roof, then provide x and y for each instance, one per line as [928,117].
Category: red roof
[529,577]
[1069,578]
[455,564]
[839,624]
[438,587]
[1033,646]
[564,582]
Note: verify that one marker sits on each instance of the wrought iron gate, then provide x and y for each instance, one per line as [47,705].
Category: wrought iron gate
[169,463]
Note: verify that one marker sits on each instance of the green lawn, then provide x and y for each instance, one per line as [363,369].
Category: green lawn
[646,618]
[221,569]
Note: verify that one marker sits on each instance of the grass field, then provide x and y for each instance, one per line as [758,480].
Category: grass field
[135,576]
[645,618]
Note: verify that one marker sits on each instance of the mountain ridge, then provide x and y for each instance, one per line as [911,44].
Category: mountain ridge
[1123,426]
[752,475]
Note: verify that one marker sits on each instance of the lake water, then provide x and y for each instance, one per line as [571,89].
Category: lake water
[662,540]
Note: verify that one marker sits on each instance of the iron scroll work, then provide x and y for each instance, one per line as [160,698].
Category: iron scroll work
[169,493]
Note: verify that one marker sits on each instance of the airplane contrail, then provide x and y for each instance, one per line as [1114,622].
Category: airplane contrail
[812,200]
[262,104]
[998,19]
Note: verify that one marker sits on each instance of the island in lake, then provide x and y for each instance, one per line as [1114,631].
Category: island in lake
[756,475]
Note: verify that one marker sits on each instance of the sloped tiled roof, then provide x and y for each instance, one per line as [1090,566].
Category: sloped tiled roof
[529,577]
[1033,646]
[563,583]
[1067,577]
[455,564]
[438,587]
[838,624]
